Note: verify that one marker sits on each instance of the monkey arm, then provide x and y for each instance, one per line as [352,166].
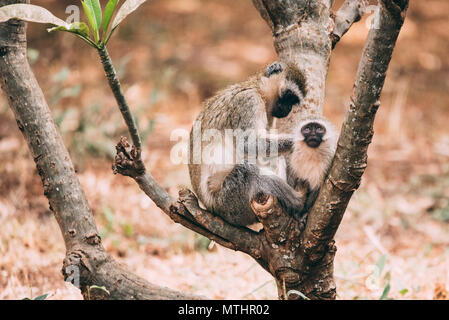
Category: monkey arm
[269,145]
[282,142]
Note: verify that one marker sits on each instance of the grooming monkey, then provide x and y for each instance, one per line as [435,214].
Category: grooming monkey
[228,187]
[309,162]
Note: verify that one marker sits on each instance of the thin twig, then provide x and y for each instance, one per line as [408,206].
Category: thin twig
[116,88]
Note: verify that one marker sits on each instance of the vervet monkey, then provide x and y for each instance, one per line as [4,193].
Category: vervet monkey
[228,186]
[313,150]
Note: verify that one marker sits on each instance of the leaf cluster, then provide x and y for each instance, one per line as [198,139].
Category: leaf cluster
[101,23]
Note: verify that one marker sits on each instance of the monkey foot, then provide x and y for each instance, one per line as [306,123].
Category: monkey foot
[262,205]
[128,161]
[189,200]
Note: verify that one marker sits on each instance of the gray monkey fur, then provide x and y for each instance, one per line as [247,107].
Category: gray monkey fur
[227,190]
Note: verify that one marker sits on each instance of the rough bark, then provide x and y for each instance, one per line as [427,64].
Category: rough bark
[357,131]
[114,83]
[300,254]
[351,11]
[86,261]
[301,35]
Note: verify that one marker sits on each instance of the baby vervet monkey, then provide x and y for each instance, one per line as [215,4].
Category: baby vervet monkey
[311,157]
[227,182]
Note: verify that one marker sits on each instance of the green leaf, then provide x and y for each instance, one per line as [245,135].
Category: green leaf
[108,12]
[77,27]
[125,10]
[30,13]
[91,20]
[59,28]
[80,28]
[384,295]
[95,9]
[380,264]
[42,297]
[127,229]
[403,291]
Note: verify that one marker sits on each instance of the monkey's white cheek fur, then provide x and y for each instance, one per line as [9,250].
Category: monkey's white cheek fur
[310,164]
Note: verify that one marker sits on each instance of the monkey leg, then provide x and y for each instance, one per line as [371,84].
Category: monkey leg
[310,200]
[232,200]
[309,195]
[243,184]
[271,185]
[215,181]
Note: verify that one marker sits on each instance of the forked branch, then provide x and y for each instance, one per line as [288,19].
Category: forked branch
[186,210]
[299,254]
[301,260]
[350,12]
[357,131]
[86,263]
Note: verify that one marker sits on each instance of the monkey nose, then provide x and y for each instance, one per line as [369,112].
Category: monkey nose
[313,142]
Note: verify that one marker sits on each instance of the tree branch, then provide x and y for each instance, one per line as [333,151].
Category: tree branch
[300,259]
[351,156]
[350,12]
[114,83]
[186,210]
[242,239]
[301,36]
[86,261]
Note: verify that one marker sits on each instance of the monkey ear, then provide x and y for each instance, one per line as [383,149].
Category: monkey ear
[284,104]
[274,68]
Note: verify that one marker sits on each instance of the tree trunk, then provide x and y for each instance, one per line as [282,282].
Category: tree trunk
[86,263]
[299,254]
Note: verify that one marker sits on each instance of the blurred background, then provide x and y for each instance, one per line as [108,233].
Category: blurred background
[173,54]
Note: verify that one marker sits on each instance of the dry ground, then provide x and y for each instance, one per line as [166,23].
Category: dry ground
[173,54]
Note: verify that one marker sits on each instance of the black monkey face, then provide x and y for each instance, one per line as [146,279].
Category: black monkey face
[313,134]
[284,104]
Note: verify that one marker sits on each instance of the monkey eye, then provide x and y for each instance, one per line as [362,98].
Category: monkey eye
[320,130]
[306,130]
